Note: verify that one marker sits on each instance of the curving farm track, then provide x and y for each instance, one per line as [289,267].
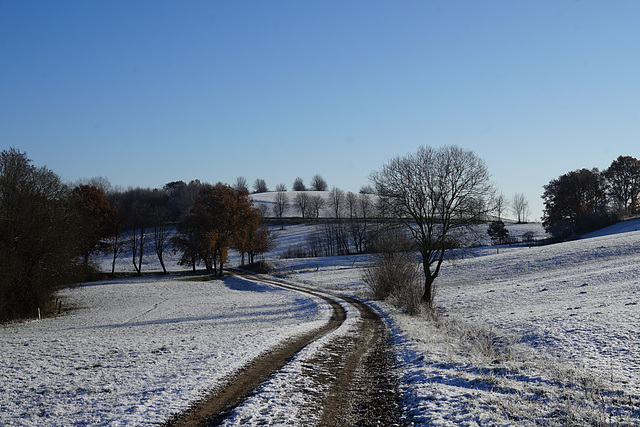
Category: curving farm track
[353,370]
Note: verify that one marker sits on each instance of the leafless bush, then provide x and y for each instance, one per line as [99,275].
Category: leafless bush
[294,252]
[394,273]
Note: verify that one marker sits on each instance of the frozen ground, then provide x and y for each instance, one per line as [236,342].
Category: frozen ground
[543,335]
[527,336]
[133,351]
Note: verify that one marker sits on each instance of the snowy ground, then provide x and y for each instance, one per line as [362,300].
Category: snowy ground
[133,351]
[543,335]
[528,336]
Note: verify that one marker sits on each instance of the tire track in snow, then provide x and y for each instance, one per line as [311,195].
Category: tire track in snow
[212,409]
[353,369]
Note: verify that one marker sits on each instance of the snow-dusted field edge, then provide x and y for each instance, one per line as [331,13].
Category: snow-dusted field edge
[526,336]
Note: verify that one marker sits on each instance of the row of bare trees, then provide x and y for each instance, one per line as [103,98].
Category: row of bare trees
[348,220]
[176,218]
[519,207]
[335,204]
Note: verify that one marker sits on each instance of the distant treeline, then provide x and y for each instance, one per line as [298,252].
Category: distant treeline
[50,230]
[588,199]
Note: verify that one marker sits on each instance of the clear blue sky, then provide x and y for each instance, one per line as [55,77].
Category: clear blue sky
[147,92]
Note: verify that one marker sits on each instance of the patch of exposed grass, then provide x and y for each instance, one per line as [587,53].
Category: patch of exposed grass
[201,278]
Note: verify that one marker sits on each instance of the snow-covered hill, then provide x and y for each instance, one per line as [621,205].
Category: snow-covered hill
[542,335]
[267,201]
[527,336]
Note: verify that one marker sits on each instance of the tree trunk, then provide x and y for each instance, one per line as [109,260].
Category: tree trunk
[134,252]
[427,297]
[429,278]
[207,264]
[115,255]
[141,251]
[164,269]
[116,247]
[159,240]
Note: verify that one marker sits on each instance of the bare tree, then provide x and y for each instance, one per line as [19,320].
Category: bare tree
[360,219]
[241,184]
[162,233]
[318,183]
[298,185]
[281,187]
[336,201]
[281,204]
[116,244]
[352,203]
[302,203]
[520,207]
[135,210]
[316,204]
[501,204]
[139,223]
[437,195]
[260,186]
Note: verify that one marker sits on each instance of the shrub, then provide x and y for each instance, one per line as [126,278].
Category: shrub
[394,274]
[260,267]
[294,252]
[498,232]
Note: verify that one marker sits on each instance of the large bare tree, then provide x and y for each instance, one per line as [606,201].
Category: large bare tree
[437,194]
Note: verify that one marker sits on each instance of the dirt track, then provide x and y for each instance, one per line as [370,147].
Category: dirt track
[355,370]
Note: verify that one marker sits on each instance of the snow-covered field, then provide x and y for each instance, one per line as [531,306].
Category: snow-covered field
[527,336]
[542,335]
[133,351]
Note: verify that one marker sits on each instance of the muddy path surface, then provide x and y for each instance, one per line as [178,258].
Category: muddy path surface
[345,380]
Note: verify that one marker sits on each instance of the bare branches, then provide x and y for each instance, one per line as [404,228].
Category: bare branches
[434,192]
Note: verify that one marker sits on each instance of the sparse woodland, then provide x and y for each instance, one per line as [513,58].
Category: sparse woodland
[50,231]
